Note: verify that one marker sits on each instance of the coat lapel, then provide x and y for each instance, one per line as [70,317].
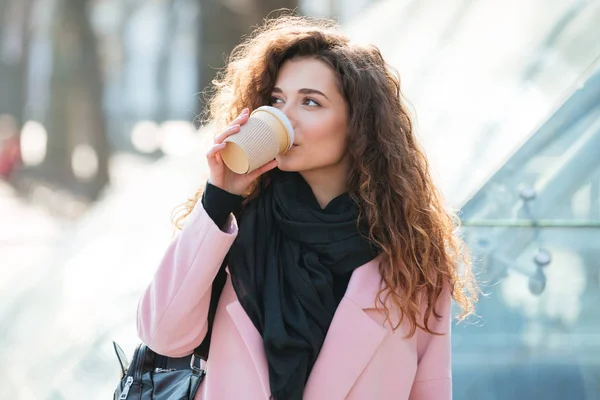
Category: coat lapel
[253,341]
[352,339]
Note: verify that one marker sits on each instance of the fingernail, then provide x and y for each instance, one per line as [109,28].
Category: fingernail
[245,111]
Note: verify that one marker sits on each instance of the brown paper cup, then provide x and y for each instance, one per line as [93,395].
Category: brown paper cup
[267,133]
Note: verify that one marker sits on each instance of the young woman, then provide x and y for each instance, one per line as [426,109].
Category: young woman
[328,273]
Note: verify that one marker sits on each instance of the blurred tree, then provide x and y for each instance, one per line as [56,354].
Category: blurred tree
[76,121]
[222,25]
[14,49]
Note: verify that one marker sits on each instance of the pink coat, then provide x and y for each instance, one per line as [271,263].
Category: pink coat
[361,358]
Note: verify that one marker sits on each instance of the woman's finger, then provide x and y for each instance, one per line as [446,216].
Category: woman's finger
[245,112]
[230,130]
[233,126]
[241,119]
[265,168]
[214,150]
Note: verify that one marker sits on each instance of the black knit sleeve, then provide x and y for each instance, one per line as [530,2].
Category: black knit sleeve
[219,203]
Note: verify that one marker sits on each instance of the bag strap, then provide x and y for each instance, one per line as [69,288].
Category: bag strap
[217,288]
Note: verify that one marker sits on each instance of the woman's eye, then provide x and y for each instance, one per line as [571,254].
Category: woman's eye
[311,103]
[275,100]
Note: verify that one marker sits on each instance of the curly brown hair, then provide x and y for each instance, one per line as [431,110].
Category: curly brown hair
[389,178]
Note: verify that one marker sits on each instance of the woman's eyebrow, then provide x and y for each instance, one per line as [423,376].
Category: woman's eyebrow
[303,91]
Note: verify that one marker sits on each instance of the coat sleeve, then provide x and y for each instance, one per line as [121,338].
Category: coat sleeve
[433,380]
[172,312]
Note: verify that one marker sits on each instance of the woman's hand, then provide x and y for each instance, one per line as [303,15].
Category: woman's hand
[220,175]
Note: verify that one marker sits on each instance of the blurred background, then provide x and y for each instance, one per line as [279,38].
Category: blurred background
[100,141]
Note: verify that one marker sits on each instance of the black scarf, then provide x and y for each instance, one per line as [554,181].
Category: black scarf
[290,265]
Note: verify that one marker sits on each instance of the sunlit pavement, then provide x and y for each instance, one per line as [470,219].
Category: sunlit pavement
[28,233]
[70,288]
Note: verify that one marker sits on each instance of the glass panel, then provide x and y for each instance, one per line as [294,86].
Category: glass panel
[534,231]
[557,182]
[480,87]
[538,331]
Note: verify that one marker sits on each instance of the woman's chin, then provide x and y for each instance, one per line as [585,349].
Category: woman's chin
[284,164]
[285,167]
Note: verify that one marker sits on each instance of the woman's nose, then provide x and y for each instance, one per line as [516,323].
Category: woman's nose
[289,112]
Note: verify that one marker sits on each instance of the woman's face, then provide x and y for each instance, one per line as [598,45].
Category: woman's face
[306,91]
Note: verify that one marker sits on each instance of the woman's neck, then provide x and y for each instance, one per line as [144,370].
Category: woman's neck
[328,184]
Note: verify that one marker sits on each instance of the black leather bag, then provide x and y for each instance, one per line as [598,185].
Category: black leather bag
[151,376]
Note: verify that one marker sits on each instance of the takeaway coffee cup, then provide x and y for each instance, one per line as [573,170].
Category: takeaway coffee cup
[266,134]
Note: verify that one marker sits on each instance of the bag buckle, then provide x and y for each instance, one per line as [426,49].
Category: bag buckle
[198,365]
